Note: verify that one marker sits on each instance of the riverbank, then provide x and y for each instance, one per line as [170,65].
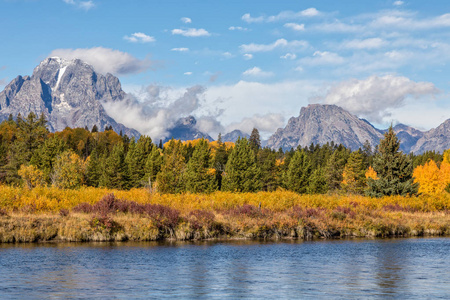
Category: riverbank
[117,219]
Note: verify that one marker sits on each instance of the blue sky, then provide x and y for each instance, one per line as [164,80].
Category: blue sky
[254,63]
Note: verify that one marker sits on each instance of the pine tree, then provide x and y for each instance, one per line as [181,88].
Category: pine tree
[255,140]
[299,172]
[241,171]
[335,168]
[269,169]
[394,169]
[114,173]
[199,175]
[318,182]
[45,156]
[94,168]
[153,165]
[171,178]
[220,160]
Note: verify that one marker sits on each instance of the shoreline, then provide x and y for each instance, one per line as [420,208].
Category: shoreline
[80,227]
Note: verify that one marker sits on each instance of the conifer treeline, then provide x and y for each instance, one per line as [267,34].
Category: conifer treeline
[30,155]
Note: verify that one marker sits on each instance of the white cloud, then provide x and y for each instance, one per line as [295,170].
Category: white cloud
[295,26]
[248,56]
[406,21]
[191,32]
[257,72]
[280,43]
[139,37]
[227,54]
[86,5]
[105,60]
[284,15]
[187,73]
[186,20]
[371,43]
[373,97]
[264,123]
[289,56]
[321,58]
[237,28]
[398,3]
[182,49]
[249,19]
[157,109]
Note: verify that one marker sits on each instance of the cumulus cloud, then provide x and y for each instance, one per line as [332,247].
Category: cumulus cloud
[265,123]
[105,60]
[289,56]
[294,45]
[237,28]
[284,15]
[191,32]
[295,26]
[180,49]
[139,37]
[157,110]
[248,56]
[186,20]
[257,72]
[85,5]
[373,97]
[398,3]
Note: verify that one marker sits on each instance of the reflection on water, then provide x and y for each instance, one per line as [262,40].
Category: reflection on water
[346,269]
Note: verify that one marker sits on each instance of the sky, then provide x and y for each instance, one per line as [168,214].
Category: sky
[244,64]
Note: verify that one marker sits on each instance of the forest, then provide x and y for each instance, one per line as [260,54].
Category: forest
[32,156]
[93,185]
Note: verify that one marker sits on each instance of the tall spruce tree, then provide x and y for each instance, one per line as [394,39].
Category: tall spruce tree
[354,179]
[242,173]
[199,175]
[45,156]
[299,172]
[394,169]
[152,166]
[255,140]
[114,169]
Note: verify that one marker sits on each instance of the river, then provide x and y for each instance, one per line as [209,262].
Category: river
[410,268]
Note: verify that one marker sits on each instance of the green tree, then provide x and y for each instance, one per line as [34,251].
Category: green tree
[199,175]
[241,171]
[318,182]
[153,165]
[299,172]
[270,171]
[335,168]
[255,140]
[45,156]
[94,168]
[171,178]
[394,169]
[114,173]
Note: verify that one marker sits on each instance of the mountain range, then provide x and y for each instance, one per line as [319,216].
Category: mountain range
[71,94]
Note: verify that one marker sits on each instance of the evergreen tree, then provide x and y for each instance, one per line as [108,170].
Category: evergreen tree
[335,168]
[241,171]
[394,169]
[269,169]
[299,172]
[255,140]
[94,128]
[152,166]
[136,158]
[318,182]
[94,168]
[171,177]
[114,173]
[45,156]
[199,175]
[220,160]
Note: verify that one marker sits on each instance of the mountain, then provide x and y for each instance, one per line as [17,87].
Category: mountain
[437,139]
[68,92]
[234,135]
[408,136]
[184,130]
[320,124]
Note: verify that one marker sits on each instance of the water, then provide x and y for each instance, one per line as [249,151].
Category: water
[346,269]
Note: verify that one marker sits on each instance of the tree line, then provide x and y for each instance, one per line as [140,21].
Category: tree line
[31,155]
